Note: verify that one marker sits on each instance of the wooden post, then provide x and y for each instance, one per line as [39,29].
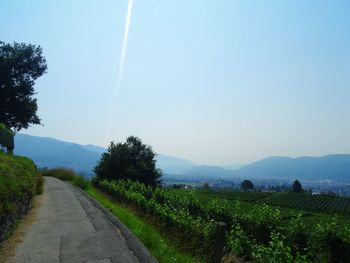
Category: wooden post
[219,242]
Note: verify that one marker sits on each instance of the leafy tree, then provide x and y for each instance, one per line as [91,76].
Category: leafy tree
[130,160]
[247,185]
[6,138]
[20,66]
[297,188]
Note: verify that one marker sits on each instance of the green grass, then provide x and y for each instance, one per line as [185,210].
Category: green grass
[161,246]
[19,179]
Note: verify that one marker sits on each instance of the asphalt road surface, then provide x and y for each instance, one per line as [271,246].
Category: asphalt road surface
[70,227]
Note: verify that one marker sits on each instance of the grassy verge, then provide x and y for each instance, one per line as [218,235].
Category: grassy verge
[161,246]
[19,182]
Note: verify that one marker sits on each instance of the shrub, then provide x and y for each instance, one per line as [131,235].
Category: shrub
[330,242]
[80,182]
[238,242]
[277,251]
[63,174]
[39,184]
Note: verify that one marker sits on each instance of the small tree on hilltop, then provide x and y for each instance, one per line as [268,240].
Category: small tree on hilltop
[20,66]
[130,160]
[297,188]
[247,185]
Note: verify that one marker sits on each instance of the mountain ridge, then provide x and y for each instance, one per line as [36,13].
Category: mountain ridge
[51,152]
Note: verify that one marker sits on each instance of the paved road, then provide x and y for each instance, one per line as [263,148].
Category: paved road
[71,228]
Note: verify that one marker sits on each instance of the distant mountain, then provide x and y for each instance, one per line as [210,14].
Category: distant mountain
[94,148]
[49,152]
[207,171]
[173,165]
[333,167]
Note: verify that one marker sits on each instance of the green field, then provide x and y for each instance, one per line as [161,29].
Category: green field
[255,230]
[304,202]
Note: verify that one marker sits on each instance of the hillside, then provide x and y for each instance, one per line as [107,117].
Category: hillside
[332,167]
[51,153]
[19,182]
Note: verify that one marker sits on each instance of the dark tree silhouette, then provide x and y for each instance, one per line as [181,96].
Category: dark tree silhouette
[6,138]
[297,188]
[130,160]
[20,66]
[247,185]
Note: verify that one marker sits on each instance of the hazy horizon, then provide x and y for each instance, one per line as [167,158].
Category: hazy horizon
[215,82]
[231,166]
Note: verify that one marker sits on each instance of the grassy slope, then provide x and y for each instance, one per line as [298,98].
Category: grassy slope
[18,179]
[160,245]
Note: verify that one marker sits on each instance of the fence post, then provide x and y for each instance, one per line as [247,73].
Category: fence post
[219,242]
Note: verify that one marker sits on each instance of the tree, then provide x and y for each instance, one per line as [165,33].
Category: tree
[130,160]
[6,138]
[247,185]
[297,188]
[20,66]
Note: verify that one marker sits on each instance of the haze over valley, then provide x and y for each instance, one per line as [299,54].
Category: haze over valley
[329,171]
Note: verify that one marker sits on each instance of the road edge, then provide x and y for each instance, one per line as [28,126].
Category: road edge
[133,243]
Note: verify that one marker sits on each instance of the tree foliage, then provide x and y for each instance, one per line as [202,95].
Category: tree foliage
[247,185]
[20,66]
[130,160]
[6,138]
[297,188]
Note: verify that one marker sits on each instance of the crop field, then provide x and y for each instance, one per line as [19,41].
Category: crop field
[308,202]
[297,201]
[255,230]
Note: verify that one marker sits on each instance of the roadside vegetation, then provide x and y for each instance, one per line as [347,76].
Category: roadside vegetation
[261,233]
[288,230]
[65,174]
[20,65]
[19,182]
[162,245]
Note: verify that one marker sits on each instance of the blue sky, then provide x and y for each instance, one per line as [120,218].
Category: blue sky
[217,82]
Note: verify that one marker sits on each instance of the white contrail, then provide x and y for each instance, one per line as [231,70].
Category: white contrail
[125,42]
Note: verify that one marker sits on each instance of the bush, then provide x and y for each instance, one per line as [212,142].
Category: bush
[330,242]
[80,182]
[63,174]
[39,184]
[277,251]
